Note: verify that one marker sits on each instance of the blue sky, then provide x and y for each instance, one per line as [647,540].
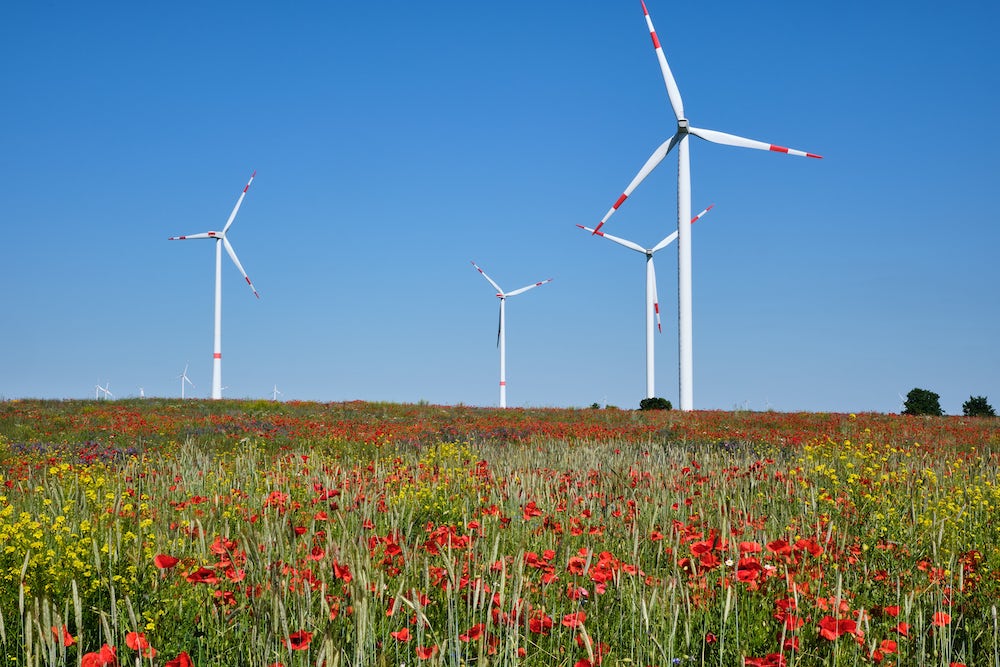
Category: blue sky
[396,141]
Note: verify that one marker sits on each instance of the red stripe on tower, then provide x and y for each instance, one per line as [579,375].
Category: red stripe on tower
[217,355]
[503,384]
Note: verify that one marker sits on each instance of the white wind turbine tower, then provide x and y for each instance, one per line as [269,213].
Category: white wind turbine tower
[652,301]
[680,140]
[220,241]
[183,377]
[275,394]
[501,332]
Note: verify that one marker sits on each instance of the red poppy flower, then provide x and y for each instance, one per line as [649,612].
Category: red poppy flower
[104,658]
[941,619]
[832,628]
[182,660]
[575,619]
[63,635]
[164,562]
[582,662]
[473,633]
[299,641]
[342,572]
[203,576]
[137,642]
[426,652]
[401,635]
[891,611]
[903,629]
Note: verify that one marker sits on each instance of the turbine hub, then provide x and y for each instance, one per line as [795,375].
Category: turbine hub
[682,125]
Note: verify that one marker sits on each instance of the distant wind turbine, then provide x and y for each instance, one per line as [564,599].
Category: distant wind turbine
[652,302]
[501,333]
[220,241]
[183,377]
[680,140]
[275,394]
[106,389]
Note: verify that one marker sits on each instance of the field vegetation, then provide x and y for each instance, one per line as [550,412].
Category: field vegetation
[257,533]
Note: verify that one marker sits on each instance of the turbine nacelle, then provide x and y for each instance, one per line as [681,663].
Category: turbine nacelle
[683,126]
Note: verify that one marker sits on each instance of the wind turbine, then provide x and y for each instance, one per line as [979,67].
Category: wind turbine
[183,377]
[652,301]
[680,140]
[106,389]
[501,333]
[220,241]
[276,393]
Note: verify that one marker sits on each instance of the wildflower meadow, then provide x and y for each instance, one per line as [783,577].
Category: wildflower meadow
[175,533]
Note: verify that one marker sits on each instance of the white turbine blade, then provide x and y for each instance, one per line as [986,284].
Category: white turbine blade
[525,289]
[665,242]
[673,237]
[656,298]
[497,287]
[203,235]
[239,202]
[732,140]
[619,241]
[673,92]
[236,261]
[655,159]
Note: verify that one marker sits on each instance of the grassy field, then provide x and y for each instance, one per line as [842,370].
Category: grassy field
[175,533]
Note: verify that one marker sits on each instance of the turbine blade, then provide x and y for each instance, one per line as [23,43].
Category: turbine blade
[656,298]
[236,261]
[655,159]
[525,289]
[619,241]
[673,92]
[664,243]
[497,287]
[203,235]
[673,237]
[239,202]
[732,140]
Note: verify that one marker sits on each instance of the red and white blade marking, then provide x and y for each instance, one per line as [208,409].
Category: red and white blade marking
[654,160]
[236,261]
[495,286]
[203,235]
[619,241]
[239,202]
[698,217]
[732,140]
[673,236]
[673,92]
[525,289]
[656,298]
